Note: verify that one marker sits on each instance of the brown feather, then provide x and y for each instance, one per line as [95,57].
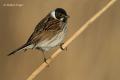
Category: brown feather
[46,29]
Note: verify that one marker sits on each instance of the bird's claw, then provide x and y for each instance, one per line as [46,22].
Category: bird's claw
[45,60]
[61,47]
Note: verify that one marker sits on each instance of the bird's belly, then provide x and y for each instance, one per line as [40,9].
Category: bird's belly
[56,40]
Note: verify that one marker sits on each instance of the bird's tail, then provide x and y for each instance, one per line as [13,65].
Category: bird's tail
[25,45]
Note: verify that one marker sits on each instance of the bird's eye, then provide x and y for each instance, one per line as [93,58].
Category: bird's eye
[59,14]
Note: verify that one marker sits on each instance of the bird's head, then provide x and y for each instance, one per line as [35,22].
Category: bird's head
[60,14]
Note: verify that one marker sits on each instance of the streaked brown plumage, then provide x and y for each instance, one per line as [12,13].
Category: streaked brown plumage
[49,32]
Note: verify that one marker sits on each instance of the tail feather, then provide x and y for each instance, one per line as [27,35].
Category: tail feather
[25,45]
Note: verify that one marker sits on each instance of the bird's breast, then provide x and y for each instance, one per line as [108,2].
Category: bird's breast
[54,41]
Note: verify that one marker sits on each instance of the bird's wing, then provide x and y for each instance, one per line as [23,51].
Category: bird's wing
[47,28]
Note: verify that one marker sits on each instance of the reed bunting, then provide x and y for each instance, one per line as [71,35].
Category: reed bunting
[48,33]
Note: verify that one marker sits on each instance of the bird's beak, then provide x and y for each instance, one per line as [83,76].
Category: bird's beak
[67,16]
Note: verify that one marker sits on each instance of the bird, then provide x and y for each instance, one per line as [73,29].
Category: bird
[48,33]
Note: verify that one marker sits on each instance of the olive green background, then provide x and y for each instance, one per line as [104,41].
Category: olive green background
[94,55]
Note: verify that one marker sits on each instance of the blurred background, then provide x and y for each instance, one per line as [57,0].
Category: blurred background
[94,55]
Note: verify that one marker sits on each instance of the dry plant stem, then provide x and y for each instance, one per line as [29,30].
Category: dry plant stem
[75,35]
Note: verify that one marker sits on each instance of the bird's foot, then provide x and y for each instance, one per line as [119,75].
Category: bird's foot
[61,47]
[45,60]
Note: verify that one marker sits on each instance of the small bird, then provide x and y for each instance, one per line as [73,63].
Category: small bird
[48,33]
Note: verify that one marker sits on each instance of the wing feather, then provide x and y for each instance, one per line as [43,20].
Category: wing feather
[45,29]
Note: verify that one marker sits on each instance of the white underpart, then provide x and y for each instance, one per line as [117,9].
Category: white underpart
[61,19]
[56,40]
[53,14]
[29,47]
